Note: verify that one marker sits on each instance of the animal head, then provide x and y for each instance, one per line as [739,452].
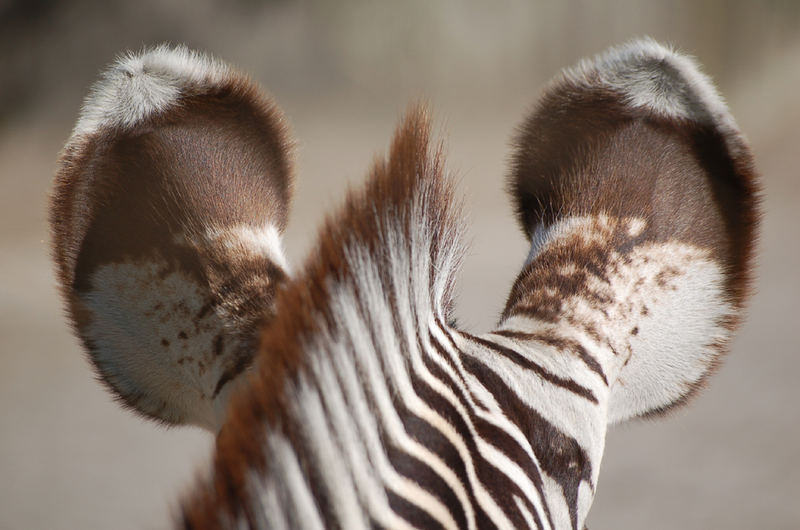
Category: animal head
[341,392]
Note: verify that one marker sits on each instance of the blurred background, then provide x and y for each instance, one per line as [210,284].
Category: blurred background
[343,72]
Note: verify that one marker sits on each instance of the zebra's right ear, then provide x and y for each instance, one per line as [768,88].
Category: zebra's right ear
[640,197]
[168,206]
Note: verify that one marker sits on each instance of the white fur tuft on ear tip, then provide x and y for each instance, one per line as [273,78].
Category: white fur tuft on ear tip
[139,85]
[656,77]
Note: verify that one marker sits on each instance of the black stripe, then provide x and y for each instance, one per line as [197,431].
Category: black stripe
[424,476]
[412,513]
[405,464]
[560,343]
[524,362]
[494,435]
[472,399]
[559,455]
[505,443]
[499,485]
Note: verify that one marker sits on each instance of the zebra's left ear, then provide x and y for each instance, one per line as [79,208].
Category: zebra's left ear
[168,206]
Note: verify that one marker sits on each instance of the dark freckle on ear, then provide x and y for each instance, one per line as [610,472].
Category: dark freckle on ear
[164,342]
[182,335]
[635,331]
[218,345]
[207,307]
[645,311]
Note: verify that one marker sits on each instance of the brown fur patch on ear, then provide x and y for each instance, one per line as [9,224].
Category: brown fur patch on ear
[411,180]
[232,131]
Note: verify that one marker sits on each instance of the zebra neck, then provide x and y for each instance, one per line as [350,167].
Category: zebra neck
[521,384]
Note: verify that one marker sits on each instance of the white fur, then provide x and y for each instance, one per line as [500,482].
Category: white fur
[348,412]
[525,513]
[259,240]
[538,240]
[327,459]
[139,85]
[358,434]
[544,235]
[490,411]
[392,364]
[292,483]
[133,307]
[673,349]
[677,320]
[387,375]
[651,75]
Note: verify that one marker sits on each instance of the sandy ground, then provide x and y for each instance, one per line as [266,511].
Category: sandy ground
[71,458]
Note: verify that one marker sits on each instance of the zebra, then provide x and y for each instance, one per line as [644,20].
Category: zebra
[343,394]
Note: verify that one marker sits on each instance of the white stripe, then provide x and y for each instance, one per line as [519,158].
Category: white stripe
[570,414]
[354,424]
[344,306]
[496,417]
[328,462]
[566,411]
[525,513]
[486,450]
[284,461]
[397,370]
[271,508]
[564,364]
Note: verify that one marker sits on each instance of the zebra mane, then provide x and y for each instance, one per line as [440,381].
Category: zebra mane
[405,216]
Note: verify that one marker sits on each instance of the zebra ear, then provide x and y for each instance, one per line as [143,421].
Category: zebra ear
[169,202]
[639,195]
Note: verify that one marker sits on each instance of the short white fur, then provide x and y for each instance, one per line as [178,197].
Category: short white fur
[140,85]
